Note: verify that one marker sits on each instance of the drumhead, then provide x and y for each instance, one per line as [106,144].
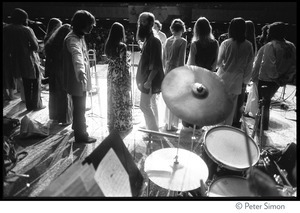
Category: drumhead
[227,146]
[230,186]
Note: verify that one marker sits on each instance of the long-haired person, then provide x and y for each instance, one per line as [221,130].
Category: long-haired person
[235,60]
[204,47]
[150,71]
[60,103]
[76,67]
[21,46]
[274,66]
[119,103]
[250,36]
[252,102]
[53,25]
[174,56]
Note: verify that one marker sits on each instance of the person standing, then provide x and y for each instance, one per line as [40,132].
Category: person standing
[252,102]
[162,36]
[250,36]
[274,66]
[262,39]
[119,104]
[204,50]
[21,47]
[9,82]
[60,103]
[53,25]
[235,60]
[174,56]
[150,71]
[77,71]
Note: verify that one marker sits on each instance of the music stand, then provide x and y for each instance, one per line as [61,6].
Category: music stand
[115,142]
[132,80]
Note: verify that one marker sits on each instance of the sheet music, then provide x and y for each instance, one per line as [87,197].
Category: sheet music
[112,177]
[76,181]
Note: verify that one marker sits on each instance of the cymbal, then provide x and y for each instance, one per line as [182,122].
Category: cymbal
[196,95]
[182,176]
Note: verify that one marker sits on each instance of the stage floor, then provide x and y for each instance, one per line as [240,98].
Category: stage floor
[51,156]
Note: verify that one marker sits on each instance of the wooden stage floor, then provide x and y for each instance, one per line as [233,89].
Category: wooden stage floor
[51,156]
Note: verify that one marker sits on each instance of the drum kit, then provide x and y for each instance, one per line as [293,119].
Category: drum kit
[198,96]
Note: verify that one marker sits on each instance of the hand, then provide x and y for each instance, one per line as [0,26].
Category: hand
[82,77]
[261,184]
[147,85]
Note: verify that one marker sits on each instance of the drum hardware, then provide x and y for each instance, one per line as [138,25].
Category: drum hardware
[176,169]
[247,143]
[225,152]
[152,133]
[259,120]
[149,148]
[279,175]
[183,174]
[229,186]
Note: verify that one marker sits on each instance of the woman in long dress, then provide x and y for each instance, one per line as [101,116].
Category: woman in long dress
[174,56]
[119,103]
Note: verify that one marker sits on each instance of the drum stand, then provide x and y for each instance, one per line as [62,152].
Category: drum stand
[193,137]
[259,120]
[149,148]
[135,121]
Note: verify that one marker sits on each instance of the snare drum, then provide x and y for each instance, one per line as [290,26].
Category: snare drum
[226,147]
[230,186]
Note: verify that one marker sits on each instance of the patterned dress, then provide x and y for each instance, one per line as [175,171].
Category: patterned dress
[119,103]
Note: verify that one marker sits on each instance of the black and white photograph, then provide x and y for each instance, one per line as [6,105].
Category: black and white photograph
[150,101]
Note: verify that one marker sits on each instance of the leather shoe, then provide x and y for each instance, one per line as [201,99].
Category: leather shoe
[86,140]
[39,108]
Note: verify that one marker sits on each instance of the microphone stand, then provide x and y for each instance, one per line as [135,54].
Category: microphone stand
[132,81]
[94,62]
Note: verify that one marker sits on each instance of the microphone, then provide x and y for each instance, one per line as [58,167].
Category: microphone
[35,22]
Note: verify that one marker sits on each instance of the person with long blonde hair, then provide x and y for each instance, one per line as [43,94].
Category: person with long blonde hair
[119,103]
[204,47]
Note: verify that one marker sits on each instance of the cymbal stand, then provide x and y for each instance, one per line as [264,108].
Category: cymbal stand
[176,157]
[259,119]
[132,81]
[193,137]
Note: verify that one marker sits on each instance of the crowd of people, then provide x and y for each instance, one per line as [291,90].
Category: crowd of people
[236,57]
